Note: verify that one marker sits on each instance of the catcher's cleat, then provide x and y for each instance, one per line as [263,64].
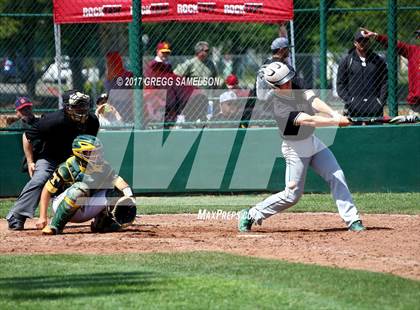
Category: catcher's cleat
[357,226]
[50,230]
[245,221]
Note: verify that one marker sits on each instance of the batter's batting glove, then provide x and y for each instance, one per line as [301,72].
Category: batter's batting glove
[405,119]
[344,121]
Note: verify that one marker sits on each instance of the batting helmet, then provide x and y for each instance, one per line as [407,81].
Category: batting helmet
[277,73]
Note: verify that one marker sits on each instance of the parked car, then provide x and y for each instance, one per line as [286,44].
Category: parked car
[9,71]
[50,74]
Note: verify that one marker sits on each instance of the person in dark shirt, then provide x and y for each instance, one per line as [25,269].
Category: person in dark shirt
[26,120]
[362,80]
[57,131]
[412,53]
[279,53]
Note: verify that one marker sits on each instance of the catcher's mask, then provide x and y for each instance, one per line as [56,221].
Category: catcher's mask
[276,74]
[76,106]
[89,150]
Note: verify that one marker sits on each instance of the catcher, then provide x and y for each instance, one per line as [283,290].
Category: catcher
[86,187]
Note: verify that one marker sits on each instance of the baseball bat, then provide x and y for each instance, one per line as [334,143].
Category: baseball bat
[370,120]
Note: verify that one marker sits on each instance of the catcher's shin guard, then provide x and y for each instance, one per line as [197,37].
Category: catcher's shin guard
[69,206]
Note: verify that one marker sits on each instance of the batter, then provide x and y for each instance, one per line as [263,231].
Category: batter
[294,110]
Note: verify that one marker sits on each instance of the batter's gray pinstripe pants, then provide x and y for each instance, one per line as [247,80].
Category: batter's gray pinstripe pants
[299,155]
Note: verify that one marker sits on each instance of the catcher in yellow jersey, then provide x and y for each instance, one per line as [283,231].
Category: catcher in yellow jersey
[85,187]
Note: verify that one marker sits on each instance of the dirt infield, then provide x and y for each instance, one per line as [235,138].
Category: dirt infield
[389,245]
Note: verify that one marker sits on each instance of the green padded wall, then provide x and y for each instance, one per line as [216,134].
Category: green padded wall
[374,159]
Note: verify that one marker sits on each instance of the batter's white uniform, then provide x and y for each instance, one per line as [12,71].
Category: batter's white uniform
[87,211]
[301,149]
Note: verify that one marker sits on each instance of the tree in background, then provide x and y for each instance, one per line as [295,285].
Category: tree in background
[25,37]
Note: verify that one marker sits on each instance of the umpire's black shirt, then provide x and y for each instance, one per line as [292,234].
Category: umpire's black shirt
[57,132]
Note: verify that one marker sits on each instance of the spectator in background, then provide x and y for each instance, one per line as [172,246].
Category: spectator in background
[280,47]
[412,53]
[26,120]
[228,107]
[114,70]
[279,53]
[163,101]
[106,113]
[195,109]
[231,81]
[160,64]
[118,86]
[24,114]
[362,80]
[198,66]
[156,100]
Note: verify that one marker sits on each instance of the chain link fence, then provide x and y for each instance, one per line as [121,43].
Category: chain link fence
[95,56]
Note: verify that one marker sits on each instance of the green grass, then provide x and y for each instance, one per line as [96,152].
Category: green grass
[193,281]
[395,203]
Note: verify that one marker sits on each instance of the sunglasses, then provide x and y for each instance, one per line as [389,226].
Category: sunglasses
[207,50]
[363,41]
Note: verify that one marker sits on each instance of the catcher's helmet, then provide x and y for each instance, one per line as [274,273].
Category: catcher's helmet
[89,150]
[276,74]
[76,105]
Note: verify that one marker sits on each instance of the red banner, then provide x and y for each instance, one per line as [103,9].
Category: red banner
[114,11]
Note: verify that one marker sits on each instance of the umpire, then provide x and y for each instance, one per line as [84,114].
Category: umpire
[57,131]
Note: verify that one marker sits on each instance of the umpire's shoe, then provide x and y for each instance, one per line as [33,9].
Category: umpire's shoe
[16,222]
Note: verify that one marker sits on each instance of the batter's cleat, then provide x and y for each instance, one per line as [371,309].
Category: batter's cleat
[245,221]
[357,226]
[16,222]
[50,230]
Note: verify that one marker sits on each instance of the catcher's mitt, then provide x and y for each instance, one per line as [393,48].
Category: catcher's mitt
[124,211]
[116,217]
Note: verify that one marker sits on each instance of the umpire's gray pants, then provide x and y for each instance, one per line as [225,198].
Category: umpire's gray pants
[299,155]
[28,200]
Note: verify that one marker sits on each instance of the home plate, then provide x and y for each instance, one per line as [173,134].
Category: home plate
[253,235]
